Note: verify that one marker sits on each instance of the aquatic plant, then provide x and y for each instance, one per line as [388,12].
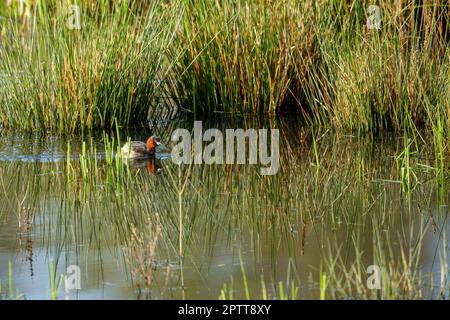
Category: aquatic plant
[66,76]
[130,59]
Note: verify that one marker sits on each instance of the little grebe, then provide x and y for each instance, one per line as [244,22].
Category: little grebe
[139,149]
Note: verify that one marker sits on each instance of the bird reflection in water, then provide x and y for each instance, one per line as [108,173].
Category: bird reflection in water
[150,165]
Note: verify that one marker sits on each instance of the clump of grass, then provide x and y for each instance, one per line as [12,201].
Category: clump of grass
[63,79]
[239,56]
[372,80]
[400,274]
[319,59]
[55,281]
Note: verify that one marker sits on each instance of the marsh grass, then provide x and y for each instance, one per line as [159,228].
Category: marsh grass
[282,290]
[350,213]
[401,274]
[319,60]
[10,294]
[238,57]
[68,80]
[13,293]
[55,281]
[388,78]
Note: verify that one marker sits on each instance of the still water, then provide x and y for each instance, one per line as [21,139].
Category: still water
[156,230]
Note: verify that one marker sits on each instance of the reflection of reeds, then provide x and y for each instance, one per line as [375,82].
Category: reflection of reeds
[141,253]
[26,216]
[349,214]
[283,290]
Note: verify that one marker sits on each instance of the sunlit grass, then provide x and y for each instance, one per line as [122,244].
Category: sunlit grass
[319,60]
[67,79]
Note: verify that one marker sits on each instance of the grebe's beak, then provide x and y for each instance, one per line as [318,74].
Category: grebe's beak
[162,147]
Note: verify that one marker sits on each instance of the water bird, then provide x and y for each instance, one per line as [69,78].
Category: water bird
[139,149]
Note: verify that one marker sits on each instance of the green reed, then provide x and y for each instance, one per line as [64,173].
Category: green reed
[68,79]
[282,290]
[329,216]
[319,60]
[10,280]
[55,281]
[11,295]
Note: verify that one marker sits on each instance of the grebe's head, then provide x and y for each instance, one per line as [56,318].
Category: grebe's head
[152,142]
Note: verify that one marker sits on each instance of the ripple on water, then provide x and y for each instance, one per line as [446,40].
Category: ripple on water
[49,148]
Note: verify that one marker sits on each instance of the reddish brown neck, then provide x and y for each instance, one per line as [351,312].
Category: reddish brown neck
[151,145]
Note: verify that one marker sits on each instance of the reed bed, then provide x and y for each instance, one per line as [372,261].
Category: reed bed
[64,74]
[319,60]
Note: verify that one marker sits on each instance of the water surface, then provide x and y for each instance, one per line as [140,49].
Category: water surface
[336,206]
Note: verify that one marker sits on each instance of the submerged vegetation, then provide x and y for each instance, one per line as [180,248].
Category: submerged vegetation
[337,206]
[319,59]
